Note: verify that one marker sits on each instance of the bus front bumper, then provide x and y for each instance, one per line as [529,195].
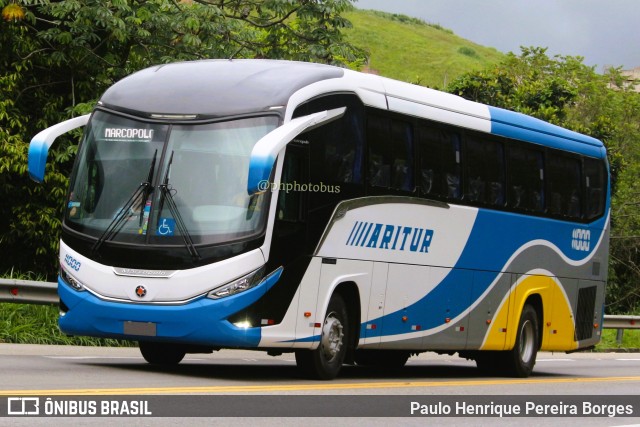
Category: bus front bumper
[202,321]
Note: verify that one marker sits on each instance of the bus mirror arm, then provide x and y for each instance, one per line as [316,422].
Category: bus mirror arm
[40,144]
[264,153]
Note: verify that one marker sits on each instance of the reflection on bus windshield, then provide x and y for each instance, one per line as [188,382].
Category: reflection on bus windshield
[206,177]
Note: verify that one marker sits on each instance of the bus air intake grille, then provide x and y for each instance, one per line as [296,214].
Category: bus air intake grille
[584,319]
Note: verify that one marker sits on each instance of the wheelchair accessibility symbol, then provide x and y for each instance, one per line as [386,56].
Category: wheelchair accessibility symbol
[167,227]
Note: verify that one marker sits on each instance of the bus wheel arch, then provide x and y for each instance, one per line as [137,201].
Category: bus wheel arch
[535,300]
[337,336]
[351,297]
[520,360]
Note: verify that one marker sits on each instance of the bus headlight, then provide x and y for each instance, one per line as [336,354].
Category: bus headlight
[70,280]
[239,285]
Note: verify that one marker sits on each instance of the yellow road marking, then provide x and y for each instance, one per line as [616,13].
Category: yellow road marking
[305,387]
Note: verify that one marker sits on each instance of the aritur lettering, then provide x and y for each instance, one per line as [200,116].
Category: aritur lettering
[390,237]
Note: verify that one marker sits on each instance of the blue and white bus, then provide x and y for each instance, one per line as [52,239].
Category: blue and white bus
[346,217]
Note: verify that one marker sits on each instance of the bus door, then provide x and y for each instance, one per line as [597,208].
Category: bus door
[288,242]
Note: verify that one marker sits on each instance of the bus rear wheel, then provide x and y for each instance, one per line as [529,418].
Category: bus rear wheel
[520,360]
[159,353]
[325,362]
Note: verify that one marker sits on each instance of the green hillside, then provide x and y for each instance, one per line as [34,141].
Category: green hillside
[411,50]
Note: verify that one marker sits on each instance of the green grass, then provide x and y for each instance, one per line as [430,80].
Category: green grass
[630,340]
[38,324]
[414,51]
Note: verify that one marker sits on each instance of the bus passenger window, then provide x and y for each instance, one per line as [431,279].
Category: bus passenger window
[390,145]
[453,185]
[485,172]
[379,151]
[595,187]
[564,186]
[476,189]
[336,148]
[402,147]
[439,162]
[525,180]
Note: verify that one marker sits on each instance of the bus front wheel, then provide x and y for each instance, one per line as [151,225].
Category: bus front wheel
[325,361]
[159,353]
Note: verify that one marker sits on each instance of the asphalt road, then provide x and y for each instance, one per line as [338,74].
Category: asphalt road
[58,372]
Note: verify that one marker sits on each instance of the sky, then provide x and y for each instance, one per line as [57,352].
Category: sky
[604,32]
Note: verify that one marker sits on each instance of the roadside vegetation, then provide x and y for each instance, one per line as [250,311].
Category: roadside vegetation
[415,51]
[630,341]
[38,324]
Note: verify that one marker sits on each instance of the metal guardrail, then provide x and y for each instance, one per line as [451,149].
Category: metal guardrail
[621,322]
[28,292]
[32,292]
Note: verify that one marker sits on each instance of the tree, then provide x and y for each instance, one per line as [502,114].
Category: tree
[564,91]
[58,57]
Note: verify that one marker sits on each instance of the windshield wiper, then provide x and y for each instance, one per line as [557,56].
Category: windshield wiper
[141,194]
[165,194]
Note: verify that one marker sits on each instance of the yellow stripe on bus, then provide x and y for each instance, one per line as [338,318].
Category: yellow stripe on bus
[558,326]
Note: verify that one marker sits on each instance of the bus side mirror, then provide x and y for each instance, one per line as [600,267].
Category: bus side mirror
[39,146]
[264,153]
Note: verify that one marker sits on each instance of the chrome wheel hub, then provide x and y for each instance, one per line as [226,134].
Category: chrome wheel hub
[331,340]
[526,342]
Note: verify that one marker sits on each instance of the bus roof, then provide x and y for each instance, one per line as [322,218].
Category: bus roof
[219,87]
[214,88]
[520,126]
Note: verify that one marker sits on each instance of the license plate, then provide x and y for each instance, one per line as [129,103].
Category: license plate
[147,329]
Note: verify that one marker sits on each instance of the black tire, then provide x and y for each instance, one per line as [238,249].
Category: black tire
[519,361]
[325,362]
[382,359]
[159,353]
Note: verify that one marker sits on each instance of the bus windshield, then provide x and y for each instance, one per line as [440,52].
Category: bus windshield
[128,169]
